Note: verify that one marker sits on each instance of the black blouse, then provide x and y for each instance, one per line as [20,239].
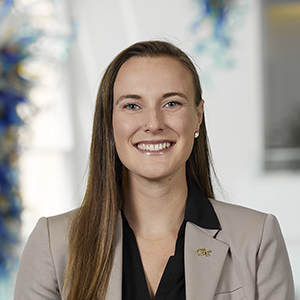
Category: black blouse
[172,284]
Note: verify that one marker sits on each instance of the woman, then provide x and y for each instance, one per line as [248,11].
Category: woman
[146,228]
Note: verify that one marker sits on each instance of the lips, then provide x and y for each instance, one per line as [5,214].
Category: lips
[144,146]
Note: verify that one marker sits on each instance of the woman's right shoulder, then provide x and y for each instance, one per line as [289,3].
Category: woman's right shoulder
[53,232]
[53,226]
[57,226]
[44,259]
[61,221]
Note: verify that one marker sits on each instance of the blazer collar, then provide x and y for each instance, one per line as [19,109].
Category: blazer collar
[204,259]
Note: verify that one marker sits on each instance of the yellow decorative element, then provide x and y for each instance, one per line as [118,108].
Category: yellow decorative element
[203,252]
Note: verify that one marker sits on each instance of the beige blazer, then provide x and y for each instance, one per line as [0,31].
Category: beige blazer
[246,259]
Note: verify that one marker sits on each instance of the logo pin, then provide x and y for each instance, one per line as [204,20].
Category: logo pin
[203,252]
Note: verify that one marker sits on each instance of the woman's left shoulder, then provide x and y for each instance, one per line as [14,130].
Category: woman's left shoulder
[257,246]
[234,212]
[238,222]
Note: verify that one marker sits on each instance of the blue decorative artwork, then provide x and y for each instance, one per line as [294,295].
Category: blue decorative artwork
[25,37]
[12,87]
[216,21]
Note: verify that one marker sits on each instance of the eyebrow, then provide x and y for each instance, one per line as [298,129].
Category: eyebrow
[172,94]
[129,96]
[138,97]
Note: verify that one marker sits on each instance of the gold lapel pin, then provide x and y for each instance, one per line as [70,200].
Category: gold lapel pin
[203,252]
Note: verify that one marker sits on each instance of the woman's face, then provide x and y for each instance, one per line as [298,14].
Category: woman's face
[155,117]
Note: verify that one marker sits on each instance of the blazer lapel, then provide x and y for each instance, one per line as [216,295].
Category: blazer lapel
[204,259]
[114,289]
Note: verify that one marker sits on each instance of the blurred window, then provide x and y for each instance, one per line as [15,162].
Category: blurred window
[281,44]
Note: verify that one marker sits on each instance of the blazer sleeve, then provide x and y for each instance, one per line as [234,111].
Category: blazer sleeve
[274,275]
[36,279]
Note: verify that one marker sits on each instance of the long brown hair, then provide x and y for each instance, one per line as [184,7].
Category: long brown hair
[91,239]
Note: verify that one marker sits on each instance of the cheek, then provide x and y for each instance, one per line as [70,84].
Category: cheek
[117,128]
[187,124]
[123,129]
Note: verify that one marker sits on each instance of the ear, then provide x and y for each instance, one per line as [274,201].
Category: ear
[200,110]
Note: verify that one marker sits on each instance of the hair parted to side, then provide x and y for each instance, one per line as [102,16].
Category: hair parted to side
[91,238]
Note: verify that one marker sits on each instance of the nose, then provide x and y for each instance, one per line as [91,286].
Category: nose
[153,122]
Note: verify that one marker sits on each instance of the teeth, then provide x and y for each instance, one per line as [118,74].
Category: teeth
[153,147]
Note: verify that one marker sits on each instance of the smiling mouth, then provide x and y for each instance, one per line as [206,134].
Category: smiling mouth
[154,147]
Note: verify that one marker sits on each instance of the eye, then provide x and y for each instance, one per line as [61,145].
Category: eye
[131,106]
[172,104]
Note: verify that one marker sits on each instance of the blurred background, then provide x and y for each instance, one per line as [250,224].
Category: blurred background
[52,56]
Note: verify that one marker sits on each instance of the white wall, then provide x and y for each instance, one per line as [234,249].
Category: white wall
[234,99]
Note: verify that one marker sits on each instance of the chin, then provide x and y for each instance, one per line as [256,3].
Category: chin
[156,175]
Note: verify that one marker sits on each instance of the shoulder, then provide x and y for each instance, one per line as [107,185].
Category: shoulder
[244,227]
[59,223]
[56,230]
[240,223]
[53,230]
[43,262]
[50,229]
[258,249]
[231,214]
[50,238]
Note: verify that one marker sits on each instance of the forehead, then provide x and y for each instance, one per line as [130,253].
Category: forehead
[161,72]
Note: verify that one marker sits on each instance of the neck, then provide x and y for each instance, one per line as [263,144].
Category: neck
[154,209]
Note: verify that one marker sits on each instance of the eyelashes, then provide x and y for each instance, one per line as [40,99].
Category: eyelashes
[172,104]
[131,106]
[134,106]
